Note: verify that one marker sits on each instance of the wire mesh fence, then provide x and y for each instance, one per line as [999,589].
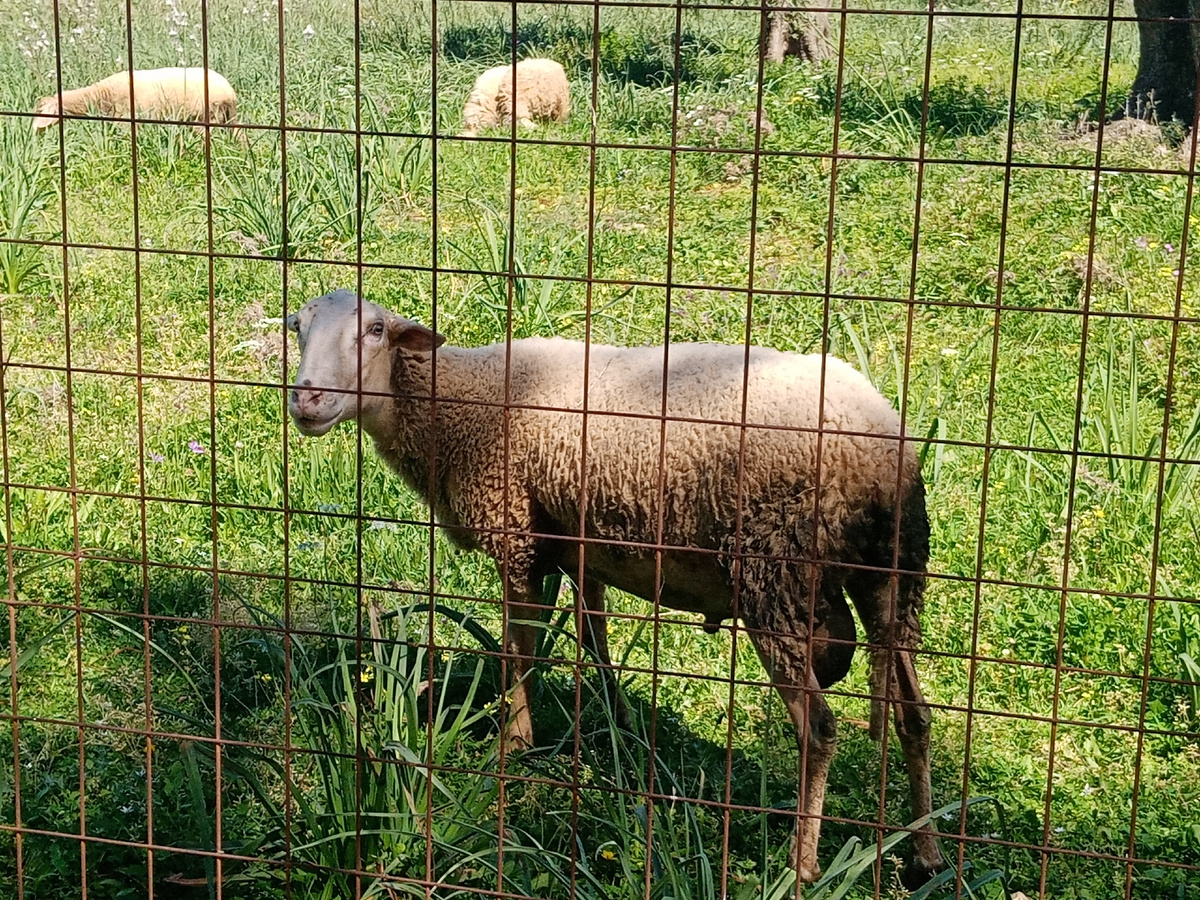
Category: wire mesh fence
[245,658]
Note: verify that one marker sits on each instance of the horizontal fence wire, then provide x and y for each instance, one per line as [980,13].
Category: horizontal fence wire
[249,658]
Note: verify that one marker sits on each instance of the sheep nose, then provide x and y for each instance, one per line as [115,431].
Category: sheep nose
[306,398]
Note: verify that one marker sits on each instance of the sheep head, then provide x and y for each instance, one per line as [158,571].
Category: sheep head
[341,336]
[47,112]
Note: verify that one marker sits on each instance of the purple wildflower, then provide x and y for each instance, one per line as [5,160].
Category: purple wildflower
[156,457]
[196,447]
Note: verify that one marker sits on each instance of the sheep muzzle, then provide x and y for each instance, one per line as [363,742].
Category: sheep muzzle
[313,410]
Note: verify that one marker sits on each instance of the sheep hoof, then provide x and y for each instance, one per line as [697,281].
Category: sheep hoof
[918,870]
[806,872]
[624,717]
[516,741]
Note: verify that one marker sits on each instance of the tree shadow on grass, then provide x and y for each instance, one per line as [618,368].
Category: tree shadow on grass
[646,59]
[957,107]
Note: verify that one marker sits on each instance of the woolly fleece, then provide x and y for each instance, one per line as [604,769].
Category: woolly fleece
[171,93]
[542,93]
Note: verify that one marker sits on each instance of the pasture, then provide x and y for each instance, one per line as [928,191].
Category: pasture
[249,667]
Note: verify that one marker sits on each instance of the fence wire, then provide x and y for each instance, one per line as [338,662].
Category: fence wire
[243,661]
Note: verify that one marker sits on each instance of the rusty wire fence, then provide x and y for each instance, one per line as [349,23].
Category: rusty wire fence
[245,661]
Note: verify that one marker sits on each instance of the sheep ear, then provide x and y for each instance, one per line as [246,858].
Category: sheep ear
[292,323]
[412,336]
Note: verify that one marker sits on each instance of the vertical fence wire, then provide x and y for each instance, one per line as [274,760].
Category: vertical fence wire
[1160,483]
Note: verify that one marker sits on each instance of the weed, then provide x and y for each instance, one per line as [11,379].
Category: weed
[537,305]
[342,185]
[27,189]
[403,167]
[379,768]
[633,109]
[1186,646]
[1128,445]
[249,202]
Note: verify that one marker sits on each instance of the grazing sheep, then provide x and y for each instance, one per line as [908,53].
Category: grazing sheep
[174,93]
[541,93]
[767,522]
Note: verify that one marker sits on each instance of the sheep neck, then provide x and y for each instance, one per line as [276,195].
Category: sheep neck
[101,96]
[404,430]
[77,101]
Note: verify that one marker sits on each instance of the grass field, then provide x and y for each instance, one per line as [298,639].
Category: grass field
[146,448]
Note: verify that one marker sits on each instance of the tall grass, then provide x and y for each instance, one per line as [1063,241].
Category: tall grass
[538,306]
[27,192]
[378,763]
[377,770]
[249,203]
[1114,425]
[1124,478]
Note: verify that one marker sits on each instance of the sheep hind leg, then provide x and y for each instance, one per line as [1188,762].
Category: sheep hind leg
[816,736]
[894,681]
[595,639]
[912,717]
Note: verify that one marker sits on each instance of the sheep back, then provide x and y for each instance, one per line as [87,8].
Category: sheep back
[541,92]
[157,93]
[181,90]
[863,466]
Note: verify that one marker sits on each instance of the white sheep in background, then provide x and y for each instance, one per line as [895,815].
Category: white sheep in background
[172,93]
[541,94]
[767,522]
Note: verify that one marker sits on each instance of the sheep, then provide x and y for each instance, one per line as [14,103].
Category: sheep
[541,93]
[172,93]
[766,521]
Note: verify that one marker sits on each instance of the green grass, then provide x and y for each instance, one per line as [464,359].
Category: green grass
[187,443]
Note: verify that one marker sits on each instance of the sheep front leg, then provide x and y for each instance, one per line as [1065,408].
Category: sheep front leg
[816,733]
[522,112]
[520,638]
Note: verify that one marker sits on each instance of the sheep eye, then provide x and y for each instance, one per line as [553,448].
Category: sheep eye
[377,328]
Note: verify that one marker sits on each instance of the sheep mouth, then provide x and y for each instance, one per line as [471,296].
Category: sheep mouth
[314,426]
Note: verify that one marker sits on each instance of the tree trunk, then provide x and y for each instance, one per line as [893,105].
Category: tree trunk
[1165,87]
[790,32]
